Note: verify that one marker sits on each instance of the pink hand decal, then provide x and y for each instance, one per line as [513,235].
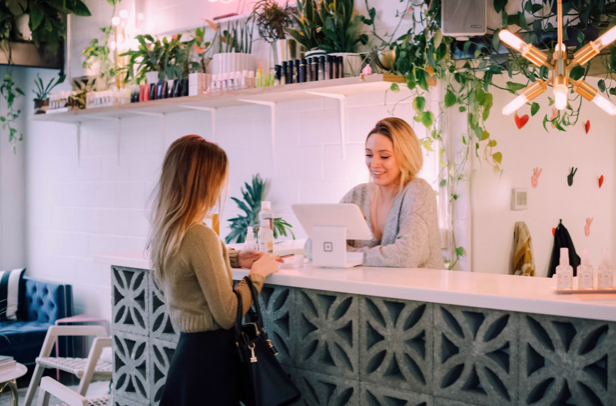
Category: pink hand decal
[587,226]
[535,178]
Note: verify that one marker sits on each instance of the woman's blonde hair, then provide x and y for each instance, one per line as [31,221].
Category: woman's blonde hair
[193,177]
[407,149]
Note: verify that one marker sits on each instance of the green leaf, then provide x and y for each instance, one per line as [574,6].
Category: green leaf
[601,85]
[499,5]
[498,157]
[36,16]
[534,108]
[440,157]
[522,22]
[577,72]
[480,96]
[514,87]
[17,7]
[536,7]
[462,109]
[419,103]
[438,38]
[443,183]
[484,135]
[492,143]
[450,99]
[395,88]
[427,144]
[495,40]
[427,119]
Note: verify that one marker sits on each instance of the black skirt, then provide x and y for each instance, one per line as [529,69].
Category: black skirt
[204,371]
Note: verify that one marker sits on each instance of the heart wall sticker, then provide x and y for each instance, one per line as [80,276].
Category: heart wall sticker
[587,126]
[521,121]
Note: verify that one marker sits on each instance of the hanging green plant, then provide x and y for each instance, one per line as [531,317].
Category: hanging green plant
[10,92]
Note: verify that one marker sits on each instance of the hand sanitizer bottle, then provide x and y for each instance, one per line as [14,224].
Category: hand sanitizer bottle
[251,243]
[585,272]
[564,271]
[266,214]
[605,273]
[266,238]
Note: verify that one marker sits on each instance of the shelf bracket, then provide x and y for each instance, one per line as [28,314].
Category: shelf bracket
[118,130]
[78,143]
[343,116]
[212,111]
[272,106]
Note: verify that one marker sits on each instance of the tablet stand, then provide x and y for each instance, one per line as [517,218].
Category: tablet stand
[329,248]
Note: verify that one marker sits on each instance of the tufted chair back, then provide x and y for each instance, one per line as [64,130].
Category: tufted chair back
[45,302]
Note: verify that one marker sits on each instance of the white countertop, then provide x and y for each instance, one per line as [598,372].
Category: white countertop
[486,290]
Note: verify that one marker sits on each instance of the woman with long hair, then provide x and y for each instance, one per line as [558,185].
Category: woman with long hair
[400,208]
[193,268]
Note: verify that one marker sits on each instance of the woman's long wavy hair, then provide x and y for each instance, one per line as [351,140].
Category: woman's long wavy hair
[406,147]
[193,177]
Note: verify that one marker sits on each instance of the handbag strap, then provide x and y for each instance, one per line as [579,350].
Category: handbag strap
[238,322]
[255,303]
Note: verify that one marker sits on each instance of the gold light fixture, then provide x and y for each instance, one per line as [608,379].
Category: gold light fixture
[560,69]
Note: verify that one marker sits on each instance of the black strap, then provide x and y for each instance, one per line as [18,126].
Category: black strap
[255,302]
[238,323]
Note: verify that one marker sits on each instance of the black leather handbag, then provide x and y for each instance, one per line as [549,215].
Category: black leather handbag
[263,381]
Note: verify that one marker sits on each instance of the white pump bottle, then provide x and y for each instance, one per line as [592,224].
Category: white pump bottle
[564,271]
[585,272]
[605,272]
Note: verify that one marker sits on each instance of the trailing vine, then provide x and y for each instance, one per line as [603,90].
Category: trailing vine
[10,91]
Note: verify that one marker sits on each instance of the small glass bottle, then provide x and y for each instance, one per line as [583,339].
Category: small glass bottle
[278,76]
[314,67]
[322,70]
[284,74]
[341,66]
[251,242]
[336,67]
[585,272]
[330,67]
[564,271]
[302,71]
[296,66]
[605,272]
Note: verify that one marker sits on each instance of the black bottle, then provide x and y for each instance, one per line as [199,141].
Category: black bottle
[278,70]
[330,67]
[296,64]
[285,73]
[341,66]
[302,71]
[323,68]
[314,67]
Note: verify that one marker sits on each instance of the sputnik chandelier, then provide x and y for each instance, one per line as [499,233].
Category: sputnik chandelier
[560,69]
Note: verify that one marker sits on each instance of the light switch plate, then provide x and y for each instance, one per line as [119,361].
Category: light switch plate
[519,199]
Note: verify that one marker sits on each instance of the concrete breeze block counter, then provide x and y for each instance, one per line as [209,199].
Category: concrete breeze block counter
[385,336]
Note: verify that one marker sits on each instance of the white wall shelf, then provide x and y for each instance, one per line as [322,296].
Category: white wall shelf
[278,94]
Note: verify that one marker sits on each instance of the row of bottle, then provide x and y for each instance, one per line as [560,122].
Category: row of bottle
[585,272]
[312,69]
[107,98]
[266,231]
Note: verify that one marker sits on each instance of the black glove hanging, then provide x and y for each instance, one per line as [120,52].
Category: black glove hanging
[562,239]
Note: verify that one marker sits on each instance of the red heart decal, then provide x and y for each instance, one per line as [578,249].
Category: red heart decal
[600,181]
[587,126]
[554,232]
[521,121]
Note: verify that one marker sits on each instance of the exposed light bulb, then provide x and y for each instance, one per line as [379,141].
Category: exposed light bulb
[115,21]
[605,104]
[512,40]
[514,105]
[560,97]
[123,14]
[607,38]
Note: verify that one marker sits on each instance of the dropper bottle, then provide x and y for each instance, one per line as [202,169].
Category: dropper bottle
[564,271]
[251,242]
[605,273]
[585,272]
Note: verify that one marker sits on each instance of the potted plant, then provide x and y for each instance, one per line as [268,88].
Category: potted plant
[234,48]
[272,20]
[41,102]
[309,25]
[251,205]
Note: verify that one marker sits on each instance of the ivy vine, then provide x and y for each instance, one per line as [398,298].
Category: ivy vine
[9,92]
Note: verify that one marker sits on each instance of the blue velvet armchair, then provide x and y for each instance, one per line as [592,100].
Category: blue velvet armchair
[40,305]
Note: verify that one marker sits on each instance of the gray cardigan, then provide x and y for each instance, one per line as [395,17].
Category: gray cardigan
[411,237]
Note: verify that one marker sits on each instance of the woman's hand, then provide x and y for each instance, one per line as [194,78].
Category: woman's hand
[247,258]
[265,266]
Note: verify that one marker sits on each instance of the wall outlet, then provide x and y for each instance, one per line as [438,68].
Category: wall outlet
[519,199]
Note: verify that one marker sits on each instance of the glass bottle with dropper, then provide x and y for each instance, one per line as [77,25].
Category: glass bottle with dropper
[251,242]
[564,271]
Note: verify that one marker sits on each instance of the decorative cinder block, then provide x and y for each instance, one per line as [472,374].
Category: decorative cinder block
[449,402]
[119,401]
[326,390]
[327,333]
[130,300]
[396,343]
[377,395]
[130,367]
[161,353]
[161,326]
[475,355]
[278,309]
[567,361]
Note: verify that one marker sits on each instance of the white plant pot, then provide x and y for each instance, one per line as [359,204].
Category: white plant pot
[151,77]
[352,63]
[232,62]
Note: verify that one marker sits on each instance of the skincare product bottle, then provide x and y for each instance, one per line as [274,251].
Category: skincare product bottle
[251,243]
[266,238]
[322,68]
[284,73]
[259,77]
[251,80]
[605,272]
[296,65]
[585,272]
[336,63]
[224,81]
[231,81]
[266,214]
[244,83]
[314,67]
[564,271]
[341,66]
[238,80]
[302,71]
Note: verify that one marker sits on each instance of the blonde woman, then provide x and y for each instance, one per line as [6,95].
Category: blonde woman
[400,208]
[193,267]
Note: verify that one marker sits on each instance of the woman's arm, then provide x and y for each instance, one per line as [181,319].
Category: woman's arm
[207,260]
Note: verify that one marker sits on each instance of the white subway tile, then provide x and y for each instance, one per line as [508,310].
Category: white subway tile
[319,127]
[323,191]
[302,163]
[75,245]
[130,195]
[351,167]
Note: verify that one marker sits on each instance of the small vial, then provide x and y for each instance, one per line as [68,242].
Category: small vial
[284,73]
[244,83]
[278,75]
[330,67]
[238,80]
[314,68]
[302,71]
[323,68]
[251,80]
[296,65]
[336,67]
[341,66]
